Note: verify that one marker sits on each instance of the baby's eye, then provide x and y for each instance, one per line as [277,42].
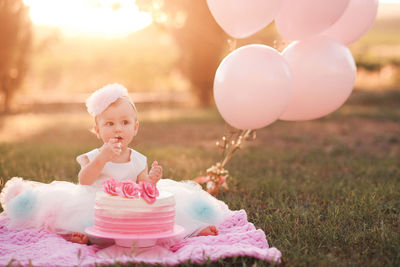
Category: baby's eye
[109,123]
[125,122]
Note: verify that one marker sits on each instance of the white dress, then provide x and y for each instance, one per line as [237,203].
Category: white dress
[121,171]
[65,207]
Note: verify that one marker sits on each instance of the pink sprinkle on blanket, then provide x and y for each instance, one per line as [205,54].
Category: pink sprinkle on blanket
[237,237]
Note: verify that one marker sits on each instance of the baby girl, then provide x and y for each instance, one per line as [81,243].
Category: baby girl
[116,124]
[66,208]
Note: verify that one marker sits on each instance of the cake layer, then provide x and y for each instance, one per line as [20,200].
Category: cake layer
[116,211]
[103,199]
[115,214]
[122,227]
[135,216]
[135,221]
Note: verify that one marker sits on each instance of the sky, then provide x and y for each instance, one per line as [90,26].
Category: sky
[104,18]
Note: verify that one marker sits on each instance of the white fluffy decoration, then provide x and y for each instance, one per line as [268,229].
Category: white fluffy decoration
[105,96]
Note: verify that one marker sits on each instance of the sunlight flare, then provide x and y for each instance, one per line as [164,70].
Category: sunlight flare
[94,18]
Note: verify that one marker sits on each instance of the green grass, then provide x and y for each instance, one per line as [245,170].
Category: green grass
[326,192]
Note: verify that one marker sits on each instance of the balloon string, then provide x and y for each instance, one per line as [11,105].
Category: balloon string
[232,43]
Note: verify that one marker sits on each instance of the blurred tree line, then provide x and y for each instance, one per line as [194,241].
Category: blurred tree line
[202,42]
[141,61]
[138,61]
[15,47]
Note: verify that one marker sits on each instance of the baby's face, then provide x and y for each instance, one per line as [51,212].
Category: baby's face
[117,121]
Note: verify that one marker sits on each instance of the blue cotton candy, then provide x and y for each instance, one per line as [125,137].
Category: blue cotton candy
[201,210]
[22,206]
[86,222]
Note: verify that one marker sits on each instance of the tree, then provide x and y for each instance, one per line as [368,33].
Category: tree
[15,47]
[201,41]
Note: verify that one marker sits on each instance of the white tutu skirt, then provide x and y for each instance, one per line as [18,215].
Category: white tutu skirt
[195,209]
[64,207]
[60,207]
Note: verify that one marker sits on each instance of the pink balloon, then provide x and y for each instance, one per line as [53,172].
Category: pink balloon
[242,18]
[323,72]
[252,86]
[301,19]
[356,20]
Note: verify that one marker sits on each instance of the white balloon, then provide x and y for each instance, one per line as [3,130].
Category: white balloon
[323,72]
[301,19]
[252,86]
[356,20]
[242,18]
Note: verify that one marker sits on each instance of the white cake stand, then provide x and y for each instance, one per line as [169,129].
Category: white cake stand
[136,240]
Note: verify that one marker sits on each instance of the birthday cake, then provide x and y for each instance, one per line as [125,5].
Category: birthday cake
[134,209]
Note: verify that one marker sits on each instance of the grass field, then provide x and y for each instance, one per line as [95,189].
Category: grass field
[326,192]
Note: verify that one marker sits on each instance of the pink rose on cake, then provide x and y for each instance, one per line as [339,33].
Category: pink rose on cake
[148,192]
[110,186]
[129,189]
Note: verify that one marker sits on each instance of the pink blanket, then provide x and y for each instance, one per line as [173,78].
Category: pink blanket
[237,237]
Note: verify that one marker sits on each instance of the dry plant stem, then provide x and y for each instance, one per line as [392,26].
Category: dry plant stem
[236,145]
[230,145]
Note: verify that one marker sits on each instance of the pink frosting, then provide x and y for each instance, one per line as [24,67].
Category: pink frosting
[129,189]
[155,220]
[149,192]
[110,186]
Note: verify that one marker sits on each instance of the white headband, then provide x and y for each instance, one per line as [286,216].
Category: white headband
[105,96]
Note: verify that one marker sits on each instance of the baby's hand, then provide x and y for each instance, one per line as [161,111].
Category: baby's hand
[111,149]
[155,173]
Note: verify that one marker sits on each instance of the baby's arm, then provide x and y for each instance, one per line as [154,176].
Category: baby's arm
[153,176]
[90,170]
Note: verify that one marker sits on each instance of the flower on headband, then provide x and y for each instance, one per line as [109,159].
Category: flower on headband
[104,97]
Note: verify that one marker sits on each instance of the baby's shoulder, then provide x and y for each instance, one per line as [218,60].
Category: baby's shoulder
[135,155]
[82,159]
[85,158]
